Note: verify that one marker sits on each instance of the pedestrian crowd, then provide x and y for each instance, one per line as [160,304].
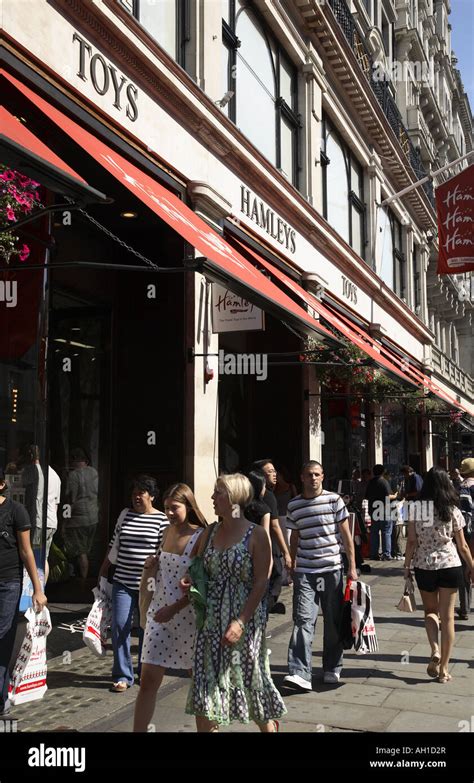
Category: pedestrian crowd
[204,591]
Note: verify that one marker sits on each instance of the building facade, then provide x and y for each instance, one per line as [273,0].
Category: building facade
[249,145]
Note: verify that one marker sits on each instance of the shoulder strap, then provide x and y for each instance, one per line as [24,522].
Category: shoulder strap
[205,538]
[189,546]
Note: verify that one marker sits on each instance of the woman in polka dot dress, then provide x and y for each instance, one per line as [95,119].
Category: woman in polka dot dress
[231,672]
[170,626]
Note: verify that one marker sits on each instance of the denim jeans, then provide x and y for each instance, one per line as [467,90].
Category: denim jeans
[310,592]
[10,592]
[384,527]
[124,602]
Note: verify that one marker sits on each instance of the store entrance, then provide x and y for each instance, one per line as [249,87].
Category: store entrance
[115,408]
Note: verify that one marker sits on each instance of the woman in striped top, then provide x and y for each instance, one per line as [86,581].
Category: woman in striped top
[138,534]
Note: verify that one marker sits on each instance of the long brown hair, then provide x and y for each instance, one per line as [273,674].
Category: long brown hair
[181,493]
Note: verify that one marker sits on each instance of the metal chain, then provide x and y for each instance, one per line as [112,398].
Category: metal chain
[119,241]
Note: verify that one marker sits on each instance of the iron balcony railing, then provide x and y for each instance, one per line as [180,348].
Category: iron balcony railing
[381,90]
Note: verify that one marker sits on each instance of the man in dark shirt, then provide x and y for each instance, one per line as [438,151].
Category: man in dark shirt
[412,483]
[377,492]
[15,551]
[279,545]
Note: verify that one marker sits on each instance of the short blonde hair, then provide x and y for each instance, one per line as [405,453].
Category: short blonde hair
[238,488]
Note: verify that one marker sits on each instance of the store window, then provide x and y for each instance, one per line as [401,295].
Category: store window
[263,84]
[23,352]
[393,261]
[343,189]
[166,21]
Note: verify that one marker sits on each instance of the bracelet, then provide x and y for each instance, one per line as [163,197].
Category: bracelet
[239,621]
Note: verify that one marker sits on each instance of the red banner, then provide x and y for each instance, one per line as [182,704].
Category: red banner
[455,205]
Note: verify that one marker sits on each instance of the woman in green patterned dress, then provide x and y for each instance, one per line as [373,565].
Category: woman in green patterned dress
[231,675]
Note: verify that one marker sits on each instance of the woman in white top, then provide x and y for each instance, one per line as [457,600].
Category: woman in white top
[434,529]
[170,626]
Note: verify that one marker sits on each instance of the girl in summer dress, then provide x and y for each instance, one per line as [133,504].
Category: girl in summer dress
[170,626]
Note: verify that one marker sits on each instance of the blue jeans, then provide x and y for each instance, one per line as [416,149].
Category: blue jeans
[10,592]
[124,601]
[384,527]
[309,593]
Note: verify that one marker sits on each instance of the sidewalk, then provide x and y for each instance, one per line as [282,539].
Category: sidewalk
[385,692]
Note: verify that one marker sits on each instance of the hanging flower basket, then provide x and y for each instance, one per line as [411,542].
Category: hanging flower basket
[354,375]
[18,197]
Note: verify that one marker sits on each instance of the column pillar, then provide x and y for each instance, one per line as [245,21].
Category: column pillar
[316,85]
[202,377]
[374,197]
[313,437]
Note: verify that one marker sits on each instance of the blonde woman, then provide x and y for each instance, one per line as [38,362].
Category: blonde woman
[231,673]
[170,626]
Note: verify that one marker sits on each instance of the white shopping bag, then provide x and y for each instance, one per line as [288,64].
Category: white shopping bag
[99,619]
[363,626]
[28,680]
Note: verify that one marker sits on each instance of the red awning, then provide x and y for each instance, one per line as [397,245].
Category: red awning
[222,261]
[402,367]
[22,150]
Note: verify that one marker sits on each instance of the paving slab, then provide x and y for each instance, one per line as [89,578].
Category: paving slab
[444,703]
[408,721]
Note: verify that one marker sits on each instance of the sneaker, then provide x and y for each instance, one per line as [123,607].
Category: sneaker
[279,608]
[298,682]
[331,678]
[386,557]
[398,557]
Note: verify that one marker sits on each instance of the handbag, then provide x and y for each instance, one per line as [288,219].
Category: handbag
[199,580]
[407,601]
[345,628]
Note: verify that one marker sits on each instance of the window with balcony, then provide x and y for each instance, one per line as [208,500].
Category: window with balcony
[393,262]
[165,21]
[343,189]
[264,85]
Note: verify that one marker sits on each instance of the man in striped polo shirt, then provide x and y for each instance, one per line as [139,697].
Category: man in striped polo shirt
[319,526]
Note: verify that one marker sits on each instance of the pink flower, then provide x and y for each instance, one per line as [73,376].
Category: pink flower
[24,181]
[10,214]
[24,253]
[7,175]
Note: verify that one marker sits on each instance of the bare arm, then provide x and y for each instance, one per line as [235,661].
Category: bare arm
[348,548]
[294,538]
[278,533]
[464,551]
[265,523]
[261,554]
[28,558]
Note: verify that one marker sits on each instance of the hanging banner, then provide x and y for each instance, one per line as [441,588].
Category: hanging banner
[455,206]
[233,313]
